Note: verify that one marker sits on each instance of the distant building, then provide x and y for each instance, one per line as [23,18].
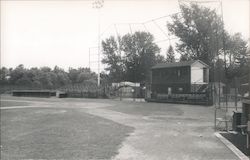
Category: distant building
[127,89]
[180,77]
[125,83]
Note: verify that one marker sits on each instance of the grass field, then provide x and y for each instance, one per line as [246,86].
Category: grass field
[54,133]
[12,103]
[100,129]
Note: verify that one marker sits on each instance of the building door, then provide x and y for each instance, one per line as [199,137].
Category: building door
[169,90]
[205,75]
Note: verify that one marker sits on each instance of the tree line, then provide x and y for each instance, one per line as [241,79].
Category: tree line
[201,35]
[45,77]
[130,57]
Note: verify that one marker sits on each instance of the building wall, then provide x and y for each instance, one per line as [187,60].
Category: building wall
[126,91]
[185,79]
[175,79]
[198,75]
[174,87]
[171,75]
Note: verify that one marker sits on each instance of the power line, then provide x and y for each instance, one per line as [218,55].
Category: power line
[169,15]
[160,28]
[130,28]
[98,4]
[198,1]
[144,25]
[105,30]
[154,20]
[140,23]
[164,40]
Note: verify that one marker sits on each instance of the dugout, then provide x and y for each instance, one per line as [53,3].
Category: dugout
[33,93]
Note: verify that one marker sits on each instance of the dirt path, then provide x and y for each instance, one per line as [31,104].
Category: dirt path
[166,137]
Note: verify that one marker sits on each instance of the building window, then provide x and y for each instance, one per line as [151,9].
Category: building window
[178,73]
[205,78]
[180,89]
[169,90]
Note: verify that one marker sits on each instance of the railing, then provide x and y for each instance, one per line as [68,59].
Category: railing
[187,98]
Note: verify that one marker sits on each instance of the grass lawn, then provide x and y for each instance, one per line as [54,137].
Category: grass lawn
[146,109]
[12,103]
[46,133]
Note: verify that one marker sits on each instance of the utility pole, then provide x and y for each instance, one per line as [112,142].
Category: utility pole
[89,58]
[236,92]
[223,45]
[98,4]
[120,54]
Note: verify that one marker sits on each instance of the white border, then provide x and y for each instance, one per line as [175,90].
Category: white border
[234,149]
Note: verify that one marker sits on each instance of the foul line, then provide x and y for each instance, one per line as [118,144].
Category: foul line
[17,107]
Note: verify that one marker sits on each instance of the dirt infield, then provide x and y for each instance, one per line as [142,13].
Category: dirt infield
[107,129]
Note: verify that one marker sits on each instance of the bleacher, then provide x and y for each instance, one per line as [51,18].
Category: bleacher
[82,90]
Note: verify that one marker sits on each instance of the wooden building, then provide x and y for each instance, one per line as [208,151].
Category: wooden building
[184,82]
[180,77]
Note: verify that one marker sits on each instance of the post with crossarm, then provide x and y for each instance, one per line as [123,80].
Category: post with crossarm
[98,4]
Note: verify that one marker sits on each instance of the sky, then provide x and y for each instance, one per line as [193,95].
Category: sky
[65,33]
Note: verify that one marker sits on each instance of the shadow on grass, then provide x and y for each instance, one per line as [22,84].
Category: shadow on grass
[44,133]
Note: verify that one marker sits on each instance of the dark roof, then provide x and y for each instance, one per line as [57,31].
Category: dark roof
[177,64]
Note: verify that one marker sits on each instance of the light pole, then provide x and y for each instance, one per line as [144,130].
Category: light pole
[98,4]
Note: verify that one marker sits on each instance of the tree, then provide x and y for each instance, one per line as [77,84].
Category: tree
[4,75]
[33,74]
[236,56]
[219,71]
[81,75]
[160,59]
[132,61]
[45,77]
[112,58]
[202,36]
[59,77]
[139,55]
[73,73]
[185,57]
[24,80]
[170,55]
[17,74]
[236,50]
[199,31]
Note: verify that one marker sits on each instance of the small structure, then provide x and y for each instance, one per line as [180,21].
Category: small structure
[179,81]
[246,119]
[60,94]
[125,83]
[180,77]
[80,90]
[127,89]
[33,93]
[241,125]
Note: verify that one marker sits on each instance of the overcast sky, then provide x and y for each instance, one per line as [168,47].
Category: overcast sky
[49,33]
